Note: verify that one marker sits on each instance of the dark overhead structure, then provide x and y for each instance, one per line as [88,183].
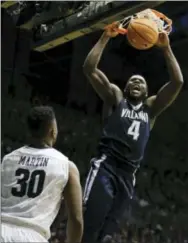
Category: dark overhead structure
[57,22]
[93,17]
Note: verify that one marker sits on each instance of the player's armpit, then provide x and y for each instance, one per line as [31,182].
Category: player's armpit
[164,98]
[73,201]
[106,112]
[149,102]
[108,92]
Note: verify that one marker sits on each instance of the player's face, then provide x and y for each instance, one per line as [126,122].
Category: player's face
[136,88]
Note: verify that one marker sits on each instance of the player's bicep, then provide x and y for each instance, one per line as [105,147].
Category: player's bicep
[73,194]
[103,87]
[100,83]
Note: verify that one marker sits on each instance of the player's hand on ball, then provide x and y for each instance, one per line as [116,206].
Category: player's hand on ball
[163,40]
[111,30]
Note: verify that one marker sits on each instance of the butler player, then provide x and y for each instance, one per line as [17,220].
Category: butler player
[34,179]
[125,134]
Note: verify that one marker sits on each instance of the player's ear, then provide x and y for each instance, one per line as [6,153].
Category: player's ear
[146,95]
[54,133]
[51,132]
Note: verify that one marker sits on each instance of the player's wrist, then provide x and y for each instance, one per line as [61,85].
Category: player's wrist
[105,37]
[166,49]
[163,46]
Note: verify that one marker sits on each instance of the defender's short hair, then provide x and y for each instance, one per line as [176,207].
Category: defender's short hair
[39,120]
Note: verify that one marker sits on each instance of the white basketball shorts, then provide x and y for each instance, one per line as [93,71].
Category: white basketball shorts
[12,233]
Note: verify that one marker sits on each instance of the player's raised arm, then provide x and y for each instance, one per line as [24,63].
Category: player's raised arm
[73,201]
[108,92]
[168,93]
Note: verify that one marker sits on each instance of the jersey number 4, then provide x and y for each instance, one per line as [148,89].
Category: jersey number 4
[134,130]
[29,184]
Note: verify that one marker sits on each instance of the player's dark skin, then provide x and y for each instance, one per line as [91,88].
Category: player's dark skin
[136,90]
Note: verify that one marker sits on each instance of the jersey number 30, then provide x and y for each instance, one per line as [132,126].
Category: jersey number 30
[134,130]
[30,184]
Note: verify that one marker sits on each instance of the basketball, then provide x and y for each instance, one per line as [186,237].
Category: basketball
[142,33]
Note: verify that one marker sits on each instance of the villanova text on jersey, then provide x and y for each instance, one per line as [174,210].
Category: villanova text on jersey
[132,114]
[126,133]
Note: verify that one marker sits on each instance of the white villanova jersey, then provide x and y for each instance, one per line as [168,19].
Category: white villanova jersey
[32,184]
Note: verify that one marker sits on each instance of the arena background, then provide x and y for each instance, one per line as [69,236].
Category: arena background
[55,77]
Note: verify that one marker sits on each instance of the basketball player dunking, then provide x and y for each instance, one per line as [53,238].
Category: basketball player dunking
[125,134]
[34,179]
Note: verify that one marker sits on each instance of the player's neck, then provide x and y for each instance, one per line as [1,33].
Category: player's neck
[39,143]
[134,102]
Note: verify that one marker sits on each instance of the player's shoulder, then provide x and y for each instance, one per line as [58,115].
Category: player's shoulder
[150,100]
[13,153]
[73,167]
[149,104]
[52,152]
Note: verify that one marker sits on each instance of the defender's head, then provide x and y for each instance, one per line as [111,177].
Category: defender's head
[42,124]
[136,88]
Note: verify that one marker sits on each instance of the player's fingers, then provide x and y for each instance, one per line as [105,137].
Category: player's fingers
[116,24]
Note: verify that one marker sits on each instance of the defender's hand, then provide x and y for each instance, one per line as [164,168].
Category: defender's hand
[163,40]
[111,30]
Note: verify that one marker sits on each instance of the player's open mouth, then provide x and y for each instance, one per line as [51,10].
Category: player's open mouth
[136,88]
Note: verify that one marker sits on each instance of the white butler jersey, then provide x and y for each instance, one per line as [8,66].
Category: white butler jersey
[32,184]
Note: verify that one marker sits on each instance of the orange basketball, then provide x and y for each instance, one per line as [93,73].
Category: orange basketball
[142,33]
